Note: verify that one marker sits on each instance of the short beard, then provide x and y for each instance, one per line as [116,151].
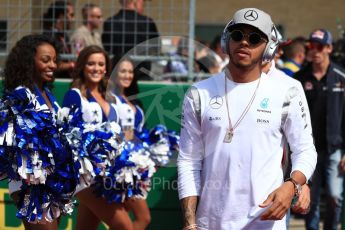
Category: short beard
[239,65]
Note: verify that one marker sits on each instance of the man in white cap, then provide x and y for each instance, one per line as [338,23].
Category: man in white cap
[233,129]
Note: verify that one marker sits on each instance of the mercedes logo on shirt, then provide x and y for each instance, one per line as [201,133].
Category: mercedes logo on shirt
[216,102]
[251,15]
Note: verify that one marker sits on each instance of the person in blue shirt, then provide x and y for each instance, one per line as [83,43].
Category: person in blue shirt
[88,92]
[295,54]
[29,71]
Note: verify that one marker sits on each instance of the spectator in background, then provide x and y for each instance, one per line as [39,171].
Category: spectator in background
[56,22]
[278,57]
[323,83]
[295,56]
[86,34]
[209,64]
[125,30]
[221,57]
[178,65]
[179,62]
[128,28]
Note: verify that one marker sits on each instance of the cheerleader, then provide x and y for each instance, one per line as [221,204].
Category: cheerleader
[146,149]
[88,93]
[132,121]
[41,182]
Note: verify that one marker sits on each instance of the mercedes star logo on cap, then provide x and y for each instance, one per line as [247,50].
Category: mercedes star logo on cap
[251,15]
[216,102]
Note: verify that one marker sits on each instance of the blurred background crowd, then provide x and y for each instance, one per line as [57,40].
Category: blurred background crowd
[180,40]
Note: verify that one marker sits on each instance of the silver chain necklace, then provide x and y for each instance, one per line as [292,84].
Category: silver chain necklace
[230,131]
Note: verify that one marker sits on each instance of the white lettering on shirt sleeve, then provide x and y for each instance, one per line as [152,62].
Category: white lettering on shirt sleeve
[298,131]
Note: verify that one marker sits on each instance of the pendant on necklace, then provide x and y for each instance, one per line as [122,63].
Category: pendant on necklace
[228,136]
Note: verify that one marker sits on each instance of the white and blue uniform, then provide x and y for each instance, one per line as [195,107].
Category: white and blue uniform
[139,118]
[92,113]
[39,167]
[232,179]
[13,185]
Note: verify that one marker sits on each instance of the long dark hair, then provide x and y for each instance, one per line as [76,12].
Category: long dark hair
[78,72]
[133,90]
[54,11]
[20,64]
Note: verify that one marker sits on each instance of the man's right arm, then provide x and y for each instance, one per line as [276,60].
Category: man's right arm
[189,162]
[188,207]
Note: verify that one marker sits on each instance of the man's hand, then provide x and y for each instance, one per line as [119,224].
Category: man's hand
[279,201]
[303,203]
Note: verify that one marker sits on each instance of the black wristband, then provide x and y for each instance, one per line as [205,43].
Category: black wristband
[297,186]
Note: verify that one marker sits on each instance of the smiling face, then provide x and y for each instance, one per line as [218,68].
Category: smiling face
[95,68]
[242,53]
[125,74]
[45,63]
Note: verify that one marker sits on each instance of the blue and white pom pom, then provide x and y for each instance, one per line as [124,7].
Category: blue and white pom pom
[130,177]
[22,127]
[161,143]
[94,145]
[40,163]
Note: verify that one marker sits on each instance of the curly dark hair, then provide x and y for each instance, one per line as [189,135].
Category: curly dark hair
[78,72]
[20,64]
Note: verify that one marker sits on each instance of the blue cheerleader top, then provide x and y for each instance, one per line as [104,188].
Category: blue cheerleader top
[139,117]
[42,102]
[89,105]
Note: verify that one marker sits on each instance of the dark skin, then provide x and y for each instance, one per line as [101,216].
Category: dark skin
[246,66]
[45,65]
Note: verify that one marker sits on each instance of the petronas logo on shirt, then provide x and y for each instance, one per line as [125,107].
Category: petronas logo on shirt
[264,103]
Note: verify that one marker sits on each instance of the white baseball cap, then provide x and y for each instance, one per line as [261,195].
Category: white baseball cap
[253,17]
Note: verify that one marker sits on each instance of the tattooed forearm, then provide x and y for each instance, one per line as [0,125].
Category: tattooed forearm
[188,206]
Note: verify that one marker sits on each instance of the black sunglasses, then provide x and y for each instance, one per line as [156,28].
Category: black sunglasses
[253,37]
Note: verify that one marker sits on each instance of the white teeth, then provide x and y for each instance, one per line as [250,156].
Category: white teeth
[96,75]
[49,73]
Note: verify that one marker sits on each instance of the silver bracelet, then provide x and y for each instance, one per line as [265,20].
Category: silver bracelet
[190,227]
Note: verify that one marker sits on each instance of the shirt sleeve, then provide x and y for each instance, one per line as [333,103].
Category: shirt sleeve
[298,131]
[71,98]
[189,162]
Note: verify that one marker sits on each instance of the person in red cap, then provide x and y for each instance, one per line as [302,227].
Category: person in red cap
[323,83]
